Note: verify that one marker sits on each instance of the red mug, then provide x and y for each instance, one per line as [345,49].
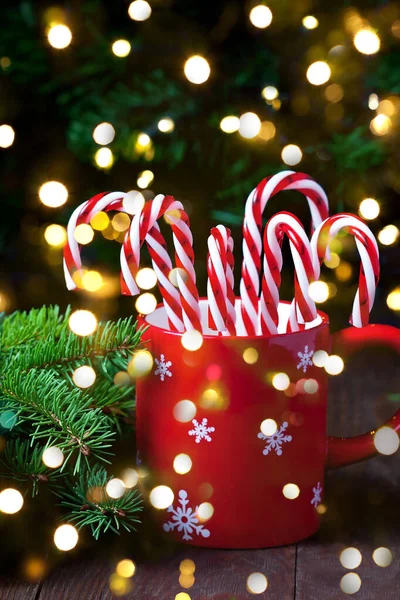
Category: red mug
[243,451]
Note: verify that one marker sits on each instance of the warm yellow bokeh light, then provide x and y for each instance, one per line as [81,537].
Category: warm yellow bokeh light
[55,235]
[82,322]
[386,441]
[281,381]
[53,194]
[291,491]
[103,134]
[318,73]
[205,511]
[7,136]
[182,596]
[256,583]
[350,558]
[187,566]
[373,101]
[59,36]
[143,141]
[270,92]
[84,376]
[367,41]
[334,365]
[320,358]
[319,291]
[139,10]
[393,299]
[125,568]
[380,125]
[145,178]
[334,92]
[250,356]
[350,583]
[100,221]
[146,303]
[140,364]
[382,556]
[182,464]
[92,281]
[130,477]
[66,537]
[249,125]
[269,427]
[133,202]
[121,222]
[11,501]
[260,16]
[83,234]
[161,497]
[192,340]
[115,488]
[386,107]
[267,131]
[104,158]
[184,411]
[310,22]
[230,124]
[53,457]
[166,125]
[388,235]
[146,278]
[291,154]
[197,69]
[121,48]
[344,271]
[369,209]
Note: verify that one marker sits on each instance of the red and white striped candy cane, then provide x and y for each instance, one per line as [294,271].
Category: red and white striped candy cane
[252,241]
[141,229]
[369,253]
[280,224]
[220,292]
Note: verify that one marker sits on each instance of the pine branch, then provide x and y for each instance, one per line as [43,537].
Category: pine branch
[90,505]
[59,414]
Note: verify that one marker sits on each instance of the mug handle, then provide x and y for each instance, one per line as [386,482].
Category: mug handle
[344,451]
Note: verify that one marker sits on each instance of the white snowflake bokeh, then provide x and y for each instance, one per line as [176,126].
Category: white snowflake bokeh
[276,441]
[201,431]
[163,367]
[305,359]
[317,491]
[184,519]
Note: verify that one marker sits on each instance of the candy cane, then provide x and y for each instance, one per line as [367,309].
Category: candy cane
[252,241]
[280,224]
[155,242]
[221,296]
[369,253]
[141,227]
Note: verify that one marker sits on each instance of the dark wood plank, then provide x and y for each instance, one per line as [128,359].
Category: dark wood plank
[362,500]
[13,589]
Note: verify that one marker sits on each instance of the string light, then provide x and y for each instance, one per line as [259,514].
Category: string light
[92,281]
[319,291]
[291,491]
[369,209]
[161,497]
[83,234]
[166,125]
[139,10]
[256,583]
[350,583]
[393,299]
[270,92]
[53,194]
[133,202]
[104,134]
[367,41]
[373,101]
[55,235]
[182,464]
[121,48]
[146,303]
[7,136]
[318,73]
[249,125]
[197,69]
[230,124]
[115,488]
[146,278]
[291,154]
[388,235]
[82,322]
[260,16]
[104,158]
[53,457]
[11,501]
[310,22]
[380,125]
[66,537]
[83,377]
[125,568]
[59,36]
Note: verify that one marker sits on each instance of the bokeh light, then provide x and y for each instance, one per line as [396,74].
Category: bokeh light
[184,411]
[310,22]
[291,491]
[386,441]
[146,278]
[100,221]
[250,356]
[59,36]
[121,48]
[393,299]
[319,358]
[267,131]
[319,291]
[104,158]
[115,488]
[382,556]
[197,69]
[367,41]
[334,92]
[334,365]
[281,381]
[119,586]
[130,477]
[146,303]
[53,194]
[92,281]
[260,16]
[53,457]
[256,583]
[388,235]
[121,222]
[192,340]
[373,101]
[7,136]
[145,178]
[182,596]
[291,154]
[103,134]
[350,558]
[55,235]
[82,322]
[83,377]
[230,124]
[250,125]
[166,125]
[187,566]
[270,92]
[318,73]
[66,537]
[182,464]
[380,125]
[350,583]
[205,511]
[140,364]
[83,234]
[11,501]
[269,427]
[125,568]
[344,271]
[161,497]
[139,10]
[369,209]
[133,202]
[311,386]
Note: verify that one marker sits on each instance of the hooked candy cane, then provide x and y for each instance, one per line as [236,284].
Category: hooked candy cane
[220,292]
[252,240]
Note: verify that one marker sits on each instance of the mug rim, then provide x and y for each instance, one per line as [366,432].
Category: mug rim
[206,336]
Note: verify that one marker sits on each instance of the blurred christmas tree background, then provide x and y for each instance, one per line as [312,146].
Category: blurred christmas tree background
[100,95]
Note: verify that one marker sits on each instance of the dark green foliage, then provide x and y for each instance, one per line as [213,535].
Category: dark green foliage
[357,151]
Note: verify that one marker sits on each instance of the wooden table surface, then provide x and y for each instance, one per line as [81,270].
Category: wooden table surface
[363,508]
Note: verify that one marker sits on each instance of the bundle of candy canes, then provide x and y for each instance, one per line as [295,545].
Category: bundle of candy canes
[256,312]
